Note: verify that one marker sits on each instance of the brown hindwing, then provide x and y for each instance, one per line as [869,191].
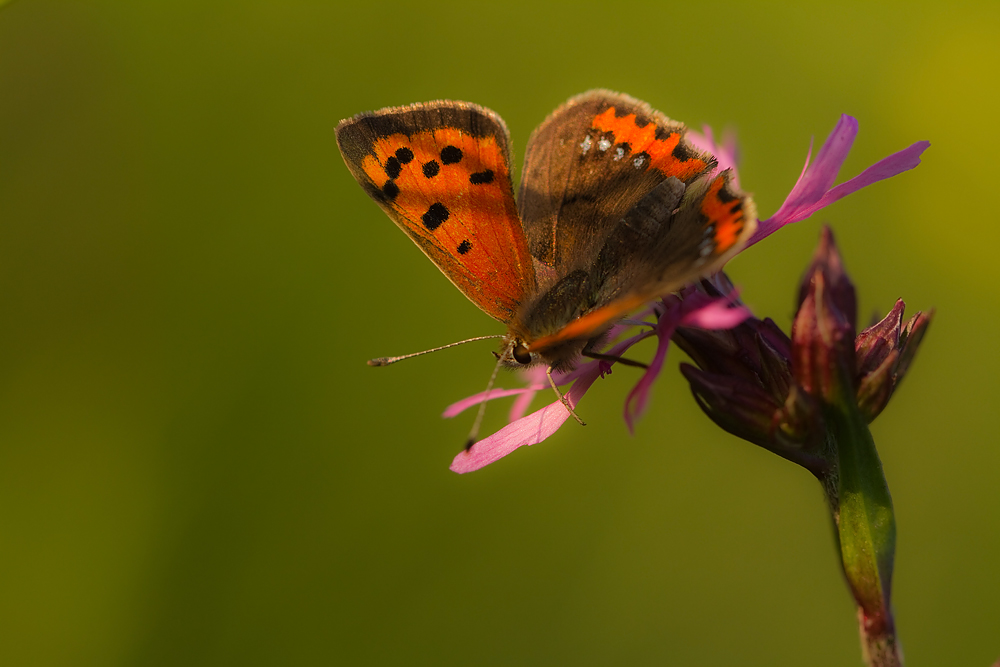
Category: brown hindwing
[662,244]
[588,164]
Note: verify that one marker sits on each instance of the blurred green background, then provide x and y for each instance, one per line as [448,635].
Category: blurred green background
[197,467]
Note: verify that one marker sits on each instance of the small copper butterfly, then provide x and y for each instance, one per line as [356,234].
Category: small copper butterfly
[616,207]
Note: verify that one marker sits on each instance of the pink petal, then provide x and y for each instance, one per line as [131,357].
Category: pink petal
[719,314]
[731,151]
[521,405]
[897,163]
[695,309]
[536,380]
[704,140]
[820,177]
[813,192]
[542,423]
[530,430]
[635,403]
[461,406]
[725,153]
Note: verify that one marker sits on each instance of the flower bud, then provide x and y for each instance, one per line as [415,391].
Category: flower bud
[823,330]
[884,352]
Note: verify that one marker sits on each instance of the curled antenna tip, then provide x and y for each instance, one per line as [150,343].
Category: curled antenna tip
[469,443]
[380,361]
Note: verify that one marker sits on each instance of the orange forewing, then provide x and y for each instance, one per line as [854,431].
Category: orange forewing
[449,189]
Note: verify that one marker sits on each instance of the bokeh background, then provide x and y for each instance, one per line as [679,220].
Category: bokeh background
[197,467]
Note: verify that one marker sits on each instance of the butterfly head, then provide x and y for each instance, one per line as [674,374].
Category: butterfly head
[519,352]
[514,352]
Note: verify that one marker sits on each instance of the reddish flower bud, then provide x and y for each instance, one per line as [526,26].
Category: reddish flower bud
[759,385]
[884,352]
[823,331]
[745,385]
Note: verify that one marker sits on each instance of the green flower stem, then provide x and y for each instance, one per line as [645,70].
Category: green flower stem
[866,528]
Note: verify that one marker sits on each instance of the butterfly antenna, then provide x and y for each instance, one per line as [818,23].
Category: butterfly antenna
[385,361]
[565,401]
[474,433]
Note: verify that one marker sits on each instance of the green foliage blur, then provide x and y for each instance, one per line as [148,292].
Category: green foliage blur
[198,468]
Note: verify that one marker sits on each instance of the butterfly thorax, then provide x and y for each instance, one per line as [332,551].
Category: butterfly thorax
[548,313]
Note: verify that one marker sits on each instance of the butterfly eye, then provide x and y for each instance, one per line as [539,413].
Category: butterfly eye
[521,355]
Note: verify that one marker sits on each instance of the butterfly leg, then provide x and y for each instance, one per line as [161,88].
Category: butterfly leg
[565,401]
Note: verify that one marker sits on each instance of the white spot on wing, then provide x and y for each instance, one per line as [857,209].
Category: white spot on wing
[619,153]
[604,144]
[639,161]
[585,145]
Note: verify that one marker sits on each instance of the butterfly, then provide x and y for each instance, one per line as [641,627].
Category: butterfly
[616,207]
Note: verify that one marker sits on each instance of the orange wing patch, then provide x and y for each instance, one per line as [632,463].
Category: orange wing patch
[724,213]
[587,325]
[667,153]
[451,192]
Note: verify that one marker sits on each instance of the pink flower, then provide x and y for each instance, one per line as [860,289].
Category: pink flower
[813,191]
[692,309]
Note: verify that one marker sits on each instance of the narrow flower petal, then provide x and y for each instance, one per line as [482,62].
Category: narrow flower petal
[535,377]
[542,423]
[704,140]
[530,430]
[817,180]
[719,314]
[461,406]
[520,406]
[726,153]
[635,403]
[813,191]
[694,309]
[897,163]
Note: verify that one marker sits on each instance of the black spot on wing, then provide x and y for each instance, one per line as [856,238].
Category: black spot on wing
[682,151]
[431,169]
[662,133]
[451,154]
[726,195]
[435,215]
[464,247]
[392,167]
[404,155]
[481,177]
[390,190]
